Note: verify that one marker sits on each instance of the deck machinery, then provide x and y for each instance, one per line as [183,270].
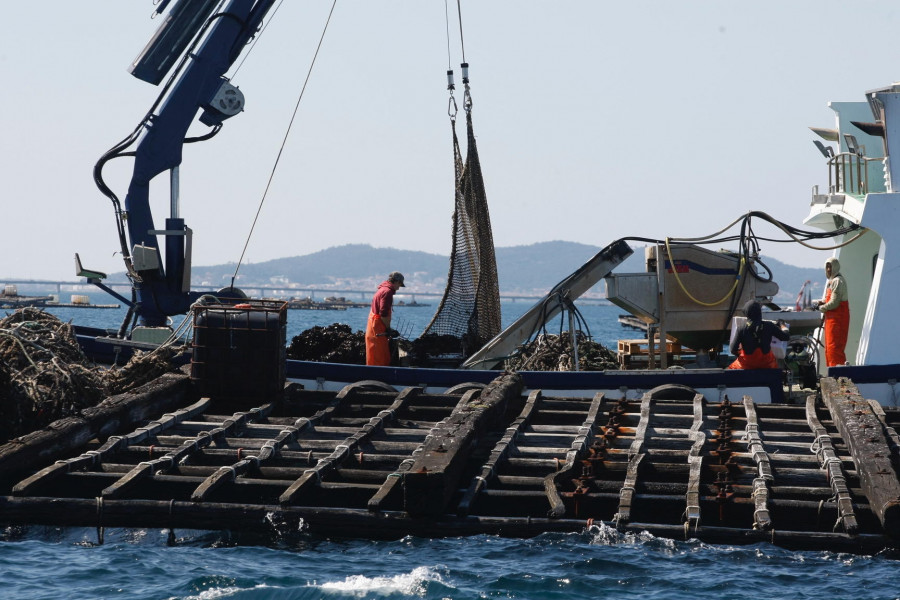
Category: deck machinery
[204,38]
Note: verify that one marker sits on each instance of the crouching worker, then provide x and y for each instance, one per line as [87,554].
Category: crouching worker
[753,343]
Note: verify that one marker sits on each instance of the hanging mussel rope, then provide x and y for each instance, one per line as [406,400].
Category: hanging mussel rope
[469,313]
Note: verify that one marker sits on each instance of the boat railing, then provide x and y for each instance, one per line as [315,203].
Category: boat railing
[848,173]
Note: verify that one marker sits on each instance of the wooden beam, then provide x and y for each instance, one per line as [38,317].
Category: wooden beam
[825,452]
[434,475]
[867,441]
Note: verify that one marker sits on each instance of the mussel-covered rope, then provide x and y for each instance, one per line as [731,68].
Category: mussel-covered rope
[44,374]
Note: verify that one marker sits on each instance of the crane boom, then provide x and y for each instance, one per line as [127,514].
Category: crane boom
[214,40]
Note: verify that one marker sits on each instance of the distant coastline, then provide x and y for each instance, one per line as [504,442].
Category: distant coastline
[357,269]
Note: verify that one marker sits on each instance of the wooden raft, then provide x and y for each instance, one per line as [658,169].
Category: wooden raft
[374,461]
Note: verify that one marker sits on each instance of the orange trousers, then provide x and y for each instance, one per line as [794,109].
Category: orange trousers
[378,351]
[837,323]
[755,360]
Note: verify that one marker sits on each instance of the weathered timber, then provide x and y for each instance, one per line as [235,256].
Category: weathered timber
[577,451]
[762,519]
[112,444]
[499,454]
[865,437]
[889,431]
[635,456]
[314,476]
[480,466]
[394,481]
[434,475]
[695,462]
[825,452]
[273,520]
[113,415]
[188,447]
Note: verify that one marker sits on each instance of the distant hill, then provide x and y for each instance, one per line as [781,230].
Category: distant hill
[530,269]
[348,262]
[521,268]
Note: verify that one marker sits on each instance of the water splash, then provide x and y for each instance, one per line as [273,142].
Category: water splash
[607,535]
[283,526]
[414,583]
[216,593]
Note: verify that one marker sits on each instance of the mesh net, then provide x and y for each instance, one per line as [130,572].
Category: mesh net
[470,308]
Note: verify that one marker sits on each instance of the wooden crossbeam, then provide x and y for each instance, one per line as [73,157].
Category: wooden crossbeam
[500,453]
[635,456]
[313,477]
[824,450]
[695,462]
[578,449]
[762,519]
[187,448]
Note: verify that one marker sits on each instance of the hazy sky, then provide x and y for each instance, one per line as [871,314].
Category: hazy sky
[595,120]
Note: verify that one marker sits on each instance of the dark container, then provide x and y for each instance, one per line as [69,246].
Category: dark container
[239,350]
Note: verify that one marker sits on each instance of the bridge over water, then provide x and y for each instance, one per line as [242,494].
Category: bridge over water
[276,291]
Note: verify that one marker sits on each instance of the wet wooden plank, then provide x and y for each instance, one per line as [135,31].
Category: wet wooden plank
[113,415]
[825,452]
[867,442]
[762,518]
[577,451]
[186,449]
[115,444]
[434,476]
[313,477]
[635,456]
[500,453]
[695,463]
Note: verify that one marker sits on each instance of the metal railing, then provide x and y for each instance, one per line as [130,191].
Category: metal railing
[848,173]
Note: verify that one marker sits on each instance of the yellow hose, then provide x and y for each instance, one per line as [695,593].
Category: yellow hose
[689,295]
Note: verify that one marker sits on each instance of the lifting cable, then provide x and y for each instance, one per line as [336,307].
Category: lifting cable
[283,142]
[451,86]
[464,66]
[467,98]
[256,39]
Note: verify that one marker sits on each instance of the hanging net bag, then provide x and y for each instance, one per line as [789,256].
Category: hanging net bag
[469,312]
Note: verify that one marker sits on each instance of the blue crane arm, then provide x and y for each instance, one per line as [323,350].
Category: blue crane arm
[160,289]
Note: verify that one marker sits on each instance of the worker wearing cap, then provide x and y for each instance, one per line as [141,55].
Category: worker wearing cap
[378,328]
[836,306]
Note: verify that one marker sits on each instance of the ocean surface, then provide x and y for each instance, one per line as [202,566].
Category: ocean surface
[57,563]
[408,320]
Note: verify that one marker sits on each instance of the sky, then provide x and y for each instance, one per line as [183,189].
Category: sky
[595,120]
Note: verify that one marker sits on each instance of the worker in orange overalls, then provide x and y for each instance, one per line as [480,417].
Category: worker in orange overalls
[378,328]
[753,343]
[836,306]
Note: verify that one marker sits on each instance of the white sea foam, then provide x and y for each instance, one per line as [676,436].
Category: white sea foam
[222,592]
[407,584]
[606,535]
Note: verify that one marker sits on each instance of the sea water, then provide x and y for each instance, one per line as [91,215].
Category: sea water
[600,319]
[598,562]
